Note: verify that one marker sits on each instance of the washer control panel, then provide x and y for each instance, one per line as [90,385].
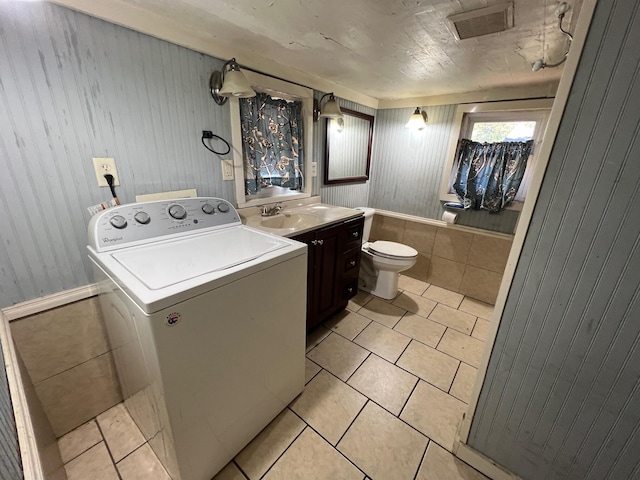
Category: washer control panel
[135,223]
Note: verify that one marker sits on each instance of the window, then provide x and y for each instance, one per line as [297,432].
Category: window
[272,144]
[275,176]
[498,122]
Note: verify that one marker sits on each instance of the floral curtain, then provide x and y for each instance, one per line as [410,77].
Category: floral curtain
[489,174]
[272,133]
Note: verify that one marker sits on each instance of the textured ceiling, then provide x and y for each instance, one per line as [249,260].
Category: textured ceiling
[385,49]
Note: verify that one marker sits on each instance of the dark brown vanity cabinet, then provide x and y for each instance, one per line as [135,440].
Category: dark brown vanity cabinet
[332,268]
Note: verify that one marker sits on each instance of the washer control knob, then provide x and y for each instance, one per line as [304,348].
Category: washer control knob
[223,207]
[177,211]
[208,209]
[118,221]
[142,217]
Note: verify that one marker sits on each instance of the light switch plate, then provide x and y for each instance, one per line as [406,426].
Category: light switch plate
[103,166]
[227,169]
[314,169]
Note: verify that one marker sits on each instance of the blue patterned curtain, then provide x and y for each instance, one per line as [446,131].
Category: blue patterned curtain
[272,133]
[489,174]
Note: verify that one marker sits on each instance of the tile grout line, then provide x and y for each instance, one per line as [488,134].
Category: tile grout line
[354,372]
[106,444]
[71,368]
[285,450]
[314,375]
[352,422]
[89,447]
[454,379]
[422,459]
[325,439]
[233,460]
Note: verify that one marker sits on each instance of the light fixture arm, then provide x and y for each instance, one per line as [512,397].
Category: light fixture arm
[331,108]
[316,106]
[421,113]
[418,120]
[216,81]
[237,85]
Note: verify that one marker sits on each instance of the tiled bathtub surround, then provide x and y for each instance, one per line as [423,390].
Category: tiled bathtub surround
[66,352]
[385,391]
[457,259]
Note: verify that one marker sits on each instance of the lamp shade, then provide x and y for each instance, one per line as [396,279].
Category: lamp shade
[236,85]
[331,109]
[418,120]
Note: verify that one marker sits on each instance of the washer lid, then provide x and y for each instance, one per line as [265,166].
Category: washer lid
[392,249]
[167,263]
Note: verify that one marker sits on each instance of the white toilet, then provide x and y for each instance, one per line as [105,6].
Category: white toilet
[382,262]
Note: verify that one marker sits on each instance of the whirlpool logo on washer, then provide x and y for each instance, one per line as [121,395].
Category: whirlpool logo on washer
[173,318]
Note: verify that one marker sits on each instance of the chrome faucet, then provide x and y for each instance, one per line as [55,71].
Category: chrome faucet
[270,211]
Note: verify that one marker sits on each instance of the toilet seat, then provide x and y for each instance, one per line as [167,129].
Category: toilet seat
[391,250]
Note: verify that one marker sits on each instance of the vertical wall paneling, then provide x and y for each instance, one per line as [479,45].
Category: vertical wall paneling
[10,462]
[408,165]
[407,168]
[346,195]
[73,87]
[561,398]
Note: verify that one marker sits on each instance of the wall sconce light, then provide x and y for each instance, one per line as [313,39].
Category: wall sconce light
[331,108]
[418,120]
[539,64]
[229,83]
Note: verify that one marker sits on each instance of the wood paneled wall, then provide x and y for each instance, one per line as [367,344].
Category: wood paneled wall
[561,398]
[73,87]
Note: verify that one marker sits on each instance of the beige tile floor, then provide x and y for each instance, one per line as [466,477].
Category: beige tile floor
[387,385]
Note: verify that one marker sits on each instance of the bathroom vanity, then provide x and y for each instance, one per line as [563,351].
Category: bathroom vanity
[333,264]
[334,238]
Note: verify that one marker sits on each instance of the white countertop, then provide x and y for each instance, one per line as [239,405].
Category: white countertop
[298,218]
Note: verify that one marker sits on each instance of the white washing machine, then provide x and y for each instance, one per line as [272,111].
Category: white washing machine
[206,319]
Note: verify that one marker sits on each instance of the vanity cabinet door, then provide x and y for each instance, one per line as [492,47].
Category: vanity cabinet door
[333,265]
[327,268]
[308,238]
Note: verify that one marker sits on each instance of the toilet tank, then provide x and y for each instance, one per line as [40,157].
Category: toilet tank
[368,221]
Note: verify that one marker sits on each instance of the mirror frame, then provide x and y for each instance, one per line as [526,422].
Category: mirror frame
[357,179]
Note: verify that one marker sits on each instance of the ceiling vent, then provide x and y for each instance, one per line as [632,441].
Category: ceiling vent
[482,21]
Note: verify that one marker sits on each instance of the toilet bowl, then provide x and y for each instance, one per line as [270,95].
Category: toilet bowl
[382,262]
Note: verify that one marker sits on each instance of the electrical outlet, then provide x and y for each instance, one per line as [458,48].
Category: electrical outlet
[227,169]
[102,166]
[314,169]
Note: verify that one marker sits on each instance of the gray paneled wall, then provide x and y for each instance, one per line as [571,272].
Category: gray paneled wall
[350,195]
[408,165]
[407,168]
[73,87]
[10,462]
[561,398]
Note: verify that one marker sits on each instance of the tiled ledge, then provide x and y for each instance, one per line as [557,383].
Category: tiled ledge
[442,224]
[460,259]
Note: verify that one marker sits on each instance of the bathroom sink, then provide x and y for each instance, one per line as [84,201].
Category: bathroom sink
[290,220]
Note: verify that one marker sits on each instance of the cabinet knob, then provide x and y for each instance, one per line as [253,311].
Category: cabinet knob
[320,242]
[314,242]
[352,263]
[350,289]
[356,234]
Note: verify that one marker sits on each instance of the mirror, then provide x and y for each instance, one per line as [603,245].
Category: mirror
[348,148]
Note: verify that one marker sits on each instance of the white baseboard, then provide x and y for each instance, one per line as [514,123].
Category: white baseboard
[29,454]
[37,305]
[481,463]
